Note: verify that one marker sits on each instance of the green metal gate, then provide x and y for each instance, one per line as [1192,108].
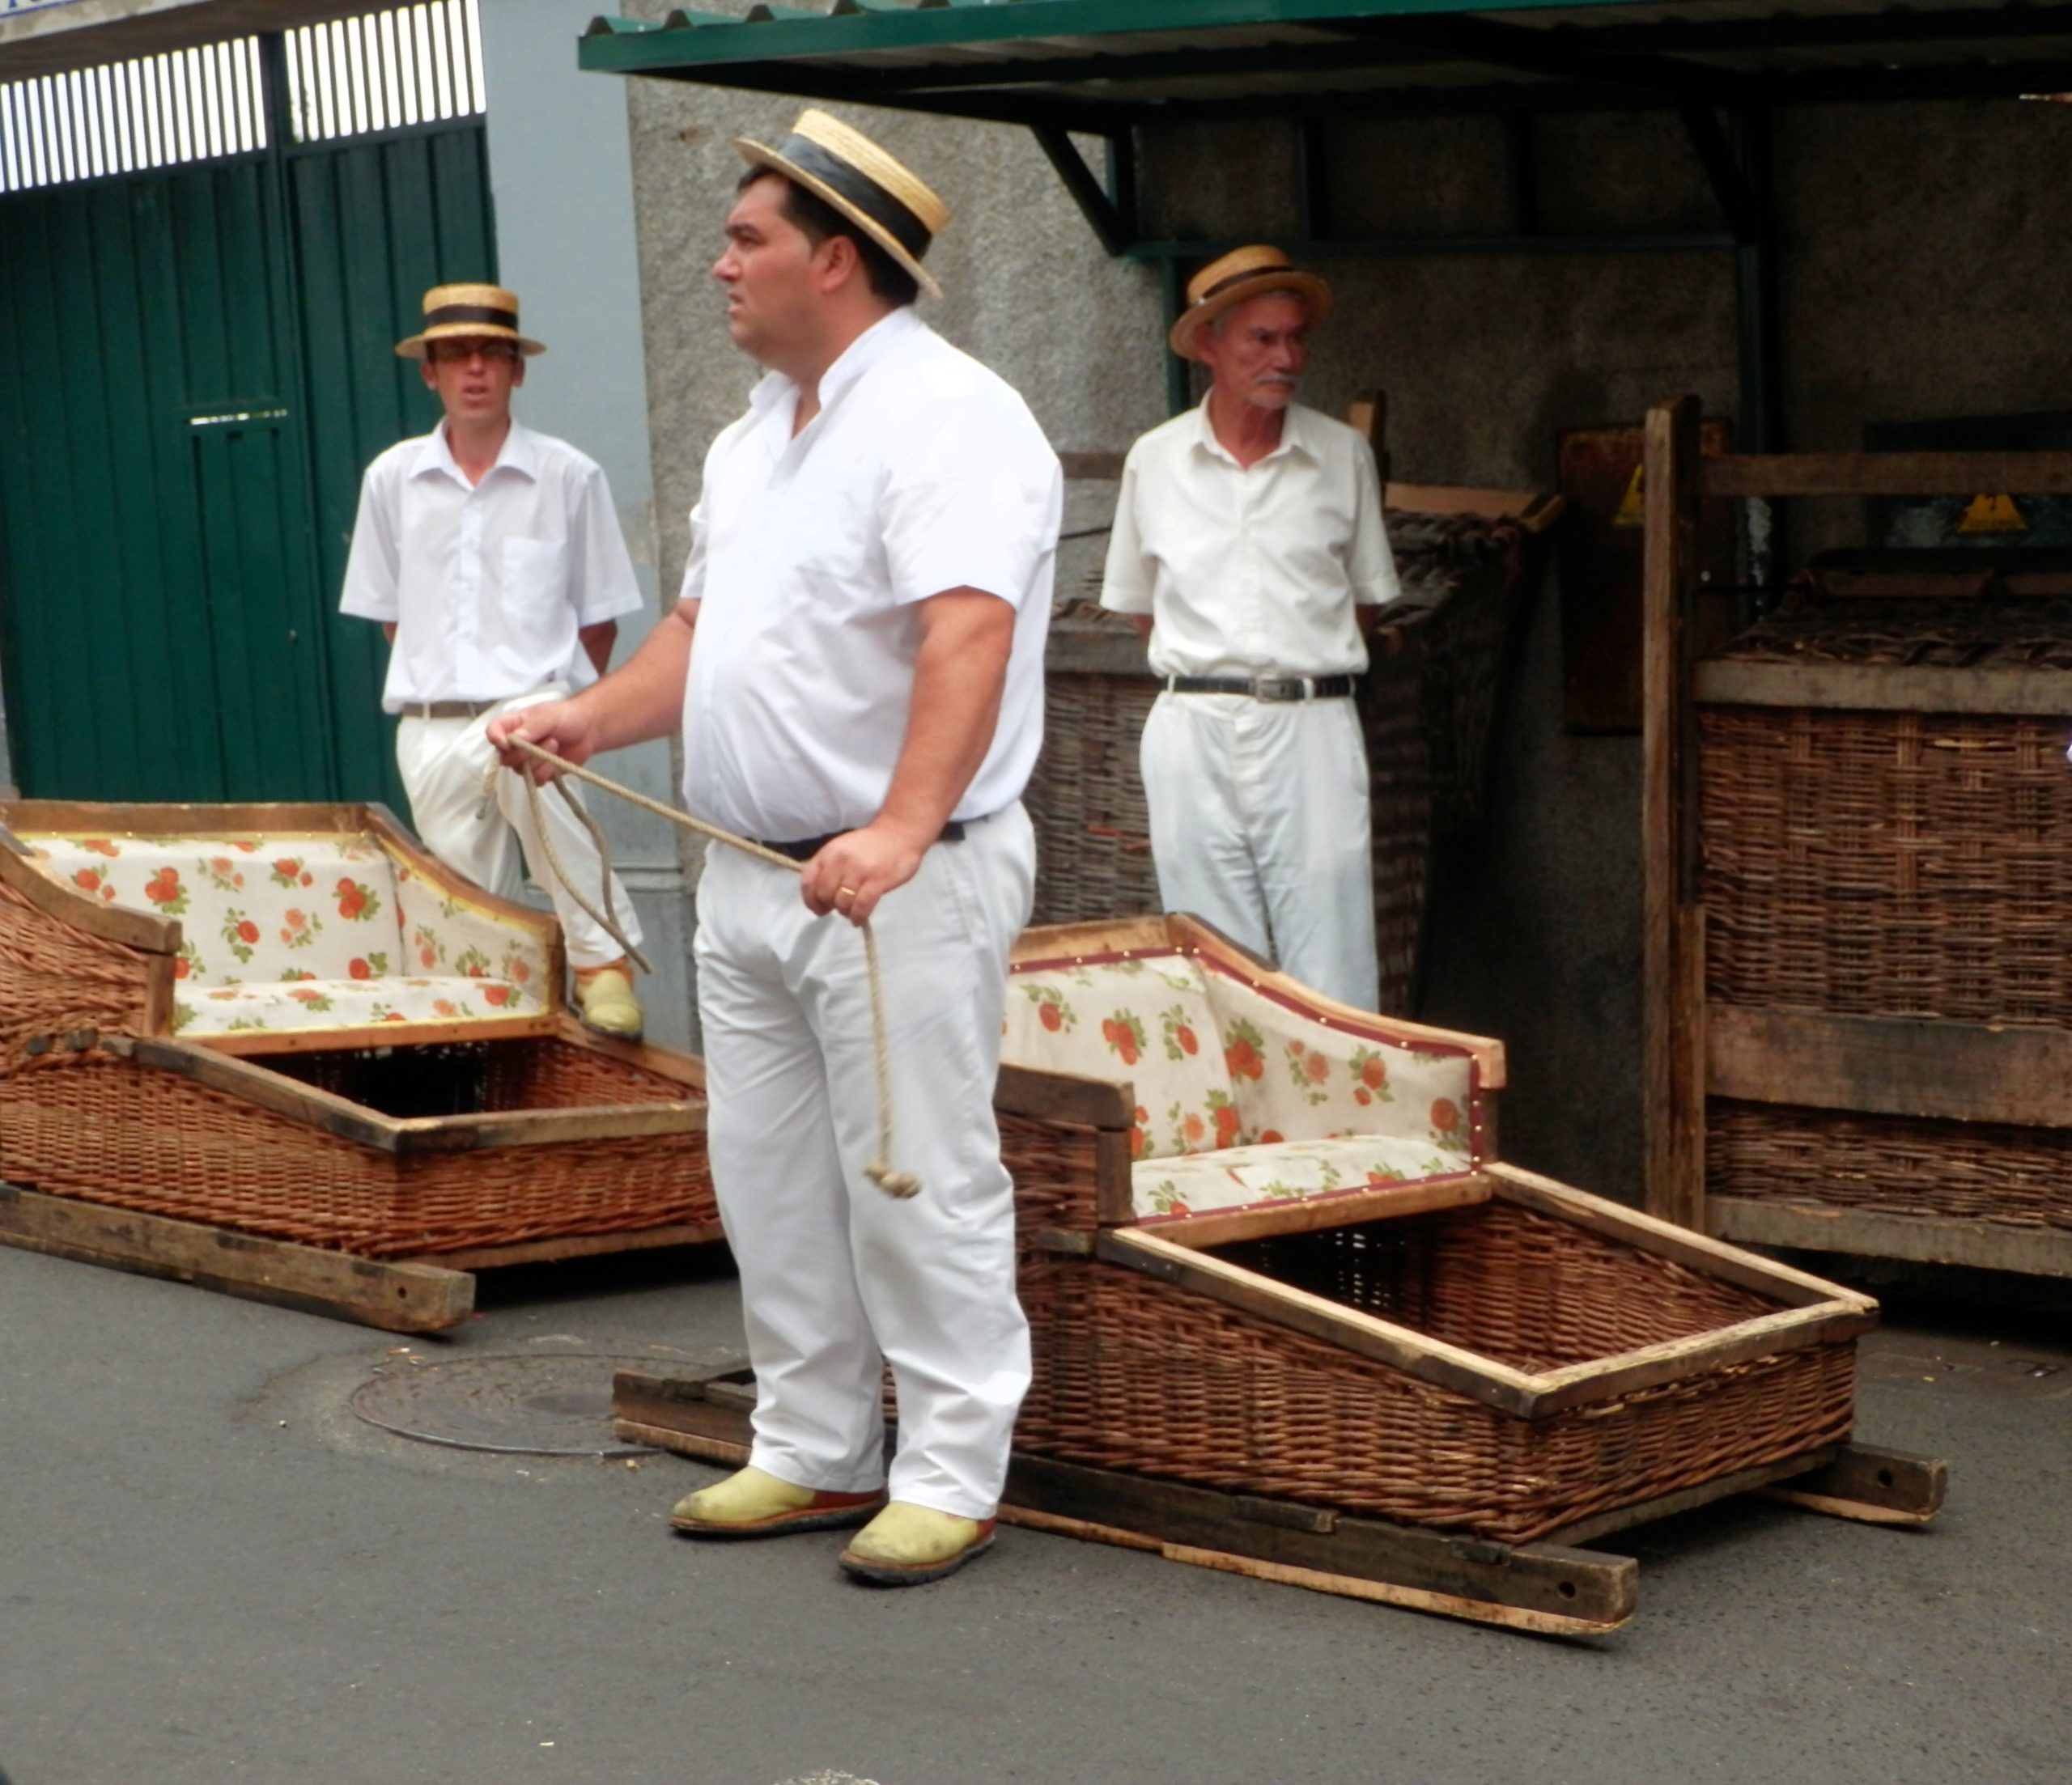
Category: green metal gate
[195,365]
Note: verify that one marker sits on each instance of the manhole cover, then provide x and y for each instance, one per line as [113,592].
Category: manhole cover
[555,1404]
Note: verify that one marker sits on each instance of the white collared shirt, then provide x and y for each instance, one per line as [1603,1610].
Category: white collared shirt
[486,584]
[923,472]
[1250,572]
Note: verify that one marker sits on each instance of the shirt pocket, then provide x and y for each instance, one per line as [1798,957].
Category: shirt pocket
[535,579]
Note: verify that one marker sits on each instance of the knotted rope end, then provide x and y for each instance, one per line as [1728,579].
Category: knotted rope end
[901,1184]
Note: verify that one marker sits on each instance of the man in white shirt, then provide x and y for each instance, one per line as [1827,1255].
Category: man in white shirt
[1248,540]
[493,559]
[856,664]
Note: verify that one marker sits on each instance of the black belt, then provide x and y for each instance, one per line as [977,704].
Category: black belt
[1265,688]
[805,848]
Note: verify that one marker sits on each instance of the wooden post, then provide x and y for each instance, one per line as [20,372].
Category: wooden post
[1673,985]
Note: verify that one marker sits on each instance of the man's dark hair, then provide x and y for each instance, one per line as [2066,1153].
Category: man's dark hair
[818,220]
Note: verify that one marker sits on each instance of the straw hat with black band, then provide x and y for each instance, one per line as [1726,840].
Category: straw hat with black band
[1238,277]
[881,196]
[478,312]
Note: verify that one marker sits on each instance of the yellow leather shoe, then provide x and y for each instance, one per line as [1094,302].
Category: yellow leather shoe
[753,1503]
[605,997]
[905,1544]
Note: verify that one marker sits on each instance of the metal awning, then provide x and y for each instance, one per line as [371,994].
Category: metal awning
[1106,65]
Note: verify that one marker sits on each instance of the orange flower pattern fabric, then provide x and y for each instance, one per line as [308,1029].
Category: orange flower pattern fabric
[1284,1171]
[1305,1080]
[1148,1021]
[281,931]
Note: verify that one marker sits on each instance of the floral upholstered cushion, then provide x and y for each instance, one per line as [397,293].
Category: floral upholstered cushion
[1147,1020]
[448,933]
[1296,1078]
[250,908]
[1280,1170]
[346,1003]
[309,931]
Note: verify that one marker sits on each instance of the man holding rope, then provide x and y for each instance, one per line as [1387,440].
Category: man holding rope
[856,665]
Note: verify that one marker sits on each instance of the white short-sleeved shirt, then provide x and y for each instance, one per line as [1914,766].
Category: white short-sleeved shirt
[487,584]
[923,472]
[1250,572]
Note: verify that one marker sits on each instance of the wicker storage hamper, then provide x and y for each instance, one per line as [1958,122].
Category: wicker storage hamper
[1888,883]
[1368,1312]
[460,1114]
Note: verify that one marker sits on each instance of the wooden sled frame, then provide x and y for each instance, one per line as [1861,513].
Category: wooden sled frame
[1549,1587]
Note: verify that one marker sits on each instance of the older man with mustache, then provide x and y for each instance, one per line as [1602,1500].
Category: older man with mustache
[1249,543]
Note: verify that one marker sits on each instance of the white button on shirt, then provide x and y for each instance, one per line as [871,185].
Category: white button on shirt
[922,473]
[1250,572]
[487,584]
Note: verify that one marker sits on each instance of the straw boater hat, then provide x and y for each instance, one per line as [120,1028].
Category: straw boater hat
[878,194]
[1243,273]
[475,311]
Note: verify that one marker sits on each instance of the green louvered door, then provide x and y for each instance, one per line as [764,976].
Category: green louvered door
[195,364]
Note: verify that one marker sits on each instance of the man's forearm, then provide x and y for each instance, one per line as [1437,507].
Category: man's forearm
[642,698]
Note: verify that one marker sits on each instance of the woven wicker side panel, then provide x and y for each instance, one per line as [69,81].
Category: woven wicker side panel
[112,1132]
[1055,1180]
[502,1195]
[1133,1375]
[1509,1283]
[1086,801]
[1970,1170]
[1399,781]
[1896,864]
[547,1074]
[55,979]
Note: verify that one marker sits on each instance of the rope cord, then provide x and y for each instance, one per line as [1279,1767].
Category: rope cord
[879,1171]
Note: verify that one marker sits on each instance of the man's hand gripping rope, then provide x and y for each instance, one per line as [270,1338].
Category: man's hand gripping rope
[879,1171]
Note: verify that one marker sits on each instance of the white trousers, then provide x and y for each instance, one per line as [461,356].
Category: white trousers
[442,762]
[838,1278]
[1260,824]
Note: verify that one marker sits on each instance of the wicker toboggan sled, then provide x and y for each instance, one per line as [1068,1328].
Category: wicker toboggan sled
[1294,1316]
[280,1050]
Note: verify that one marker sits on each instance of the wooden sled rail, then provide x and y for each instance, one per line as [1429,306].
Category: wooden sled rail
[1550,1587]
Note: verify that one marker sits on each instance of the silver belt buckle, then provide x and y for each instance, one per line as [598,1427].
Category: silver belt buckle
[1278,688]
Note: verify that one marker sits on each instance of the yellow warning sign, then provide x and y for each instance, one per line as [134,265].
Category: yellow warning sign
[1633,511]
[1993,514]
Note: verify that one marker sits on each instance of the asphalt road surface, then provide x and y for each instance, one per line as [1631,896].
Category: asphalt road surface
[213,1571]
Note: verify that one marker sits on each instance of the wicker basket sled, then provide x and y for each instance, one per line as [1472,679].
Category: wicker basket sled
[213,1065]
[1293,1316]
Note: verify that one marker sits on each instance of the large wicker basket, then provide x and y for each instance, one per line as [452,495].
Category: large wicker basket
[1888,866]
[415,1139]
[1483,1352]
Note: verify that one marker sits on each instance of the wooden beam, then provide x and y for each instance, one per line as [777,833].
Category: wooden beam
[1339,1209]
[1097,937]
[580,1245]
[1064,1097]
[1416,1353]
[1872,1486]
[1891,1065]
[255,1085]
[2044,1252]
[67,904]
[479,1133]
[1672,1088]
[254,1043]
[1665,1239]
[1886,474]
[395,1297]
[1540,1587]
[1886,688]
